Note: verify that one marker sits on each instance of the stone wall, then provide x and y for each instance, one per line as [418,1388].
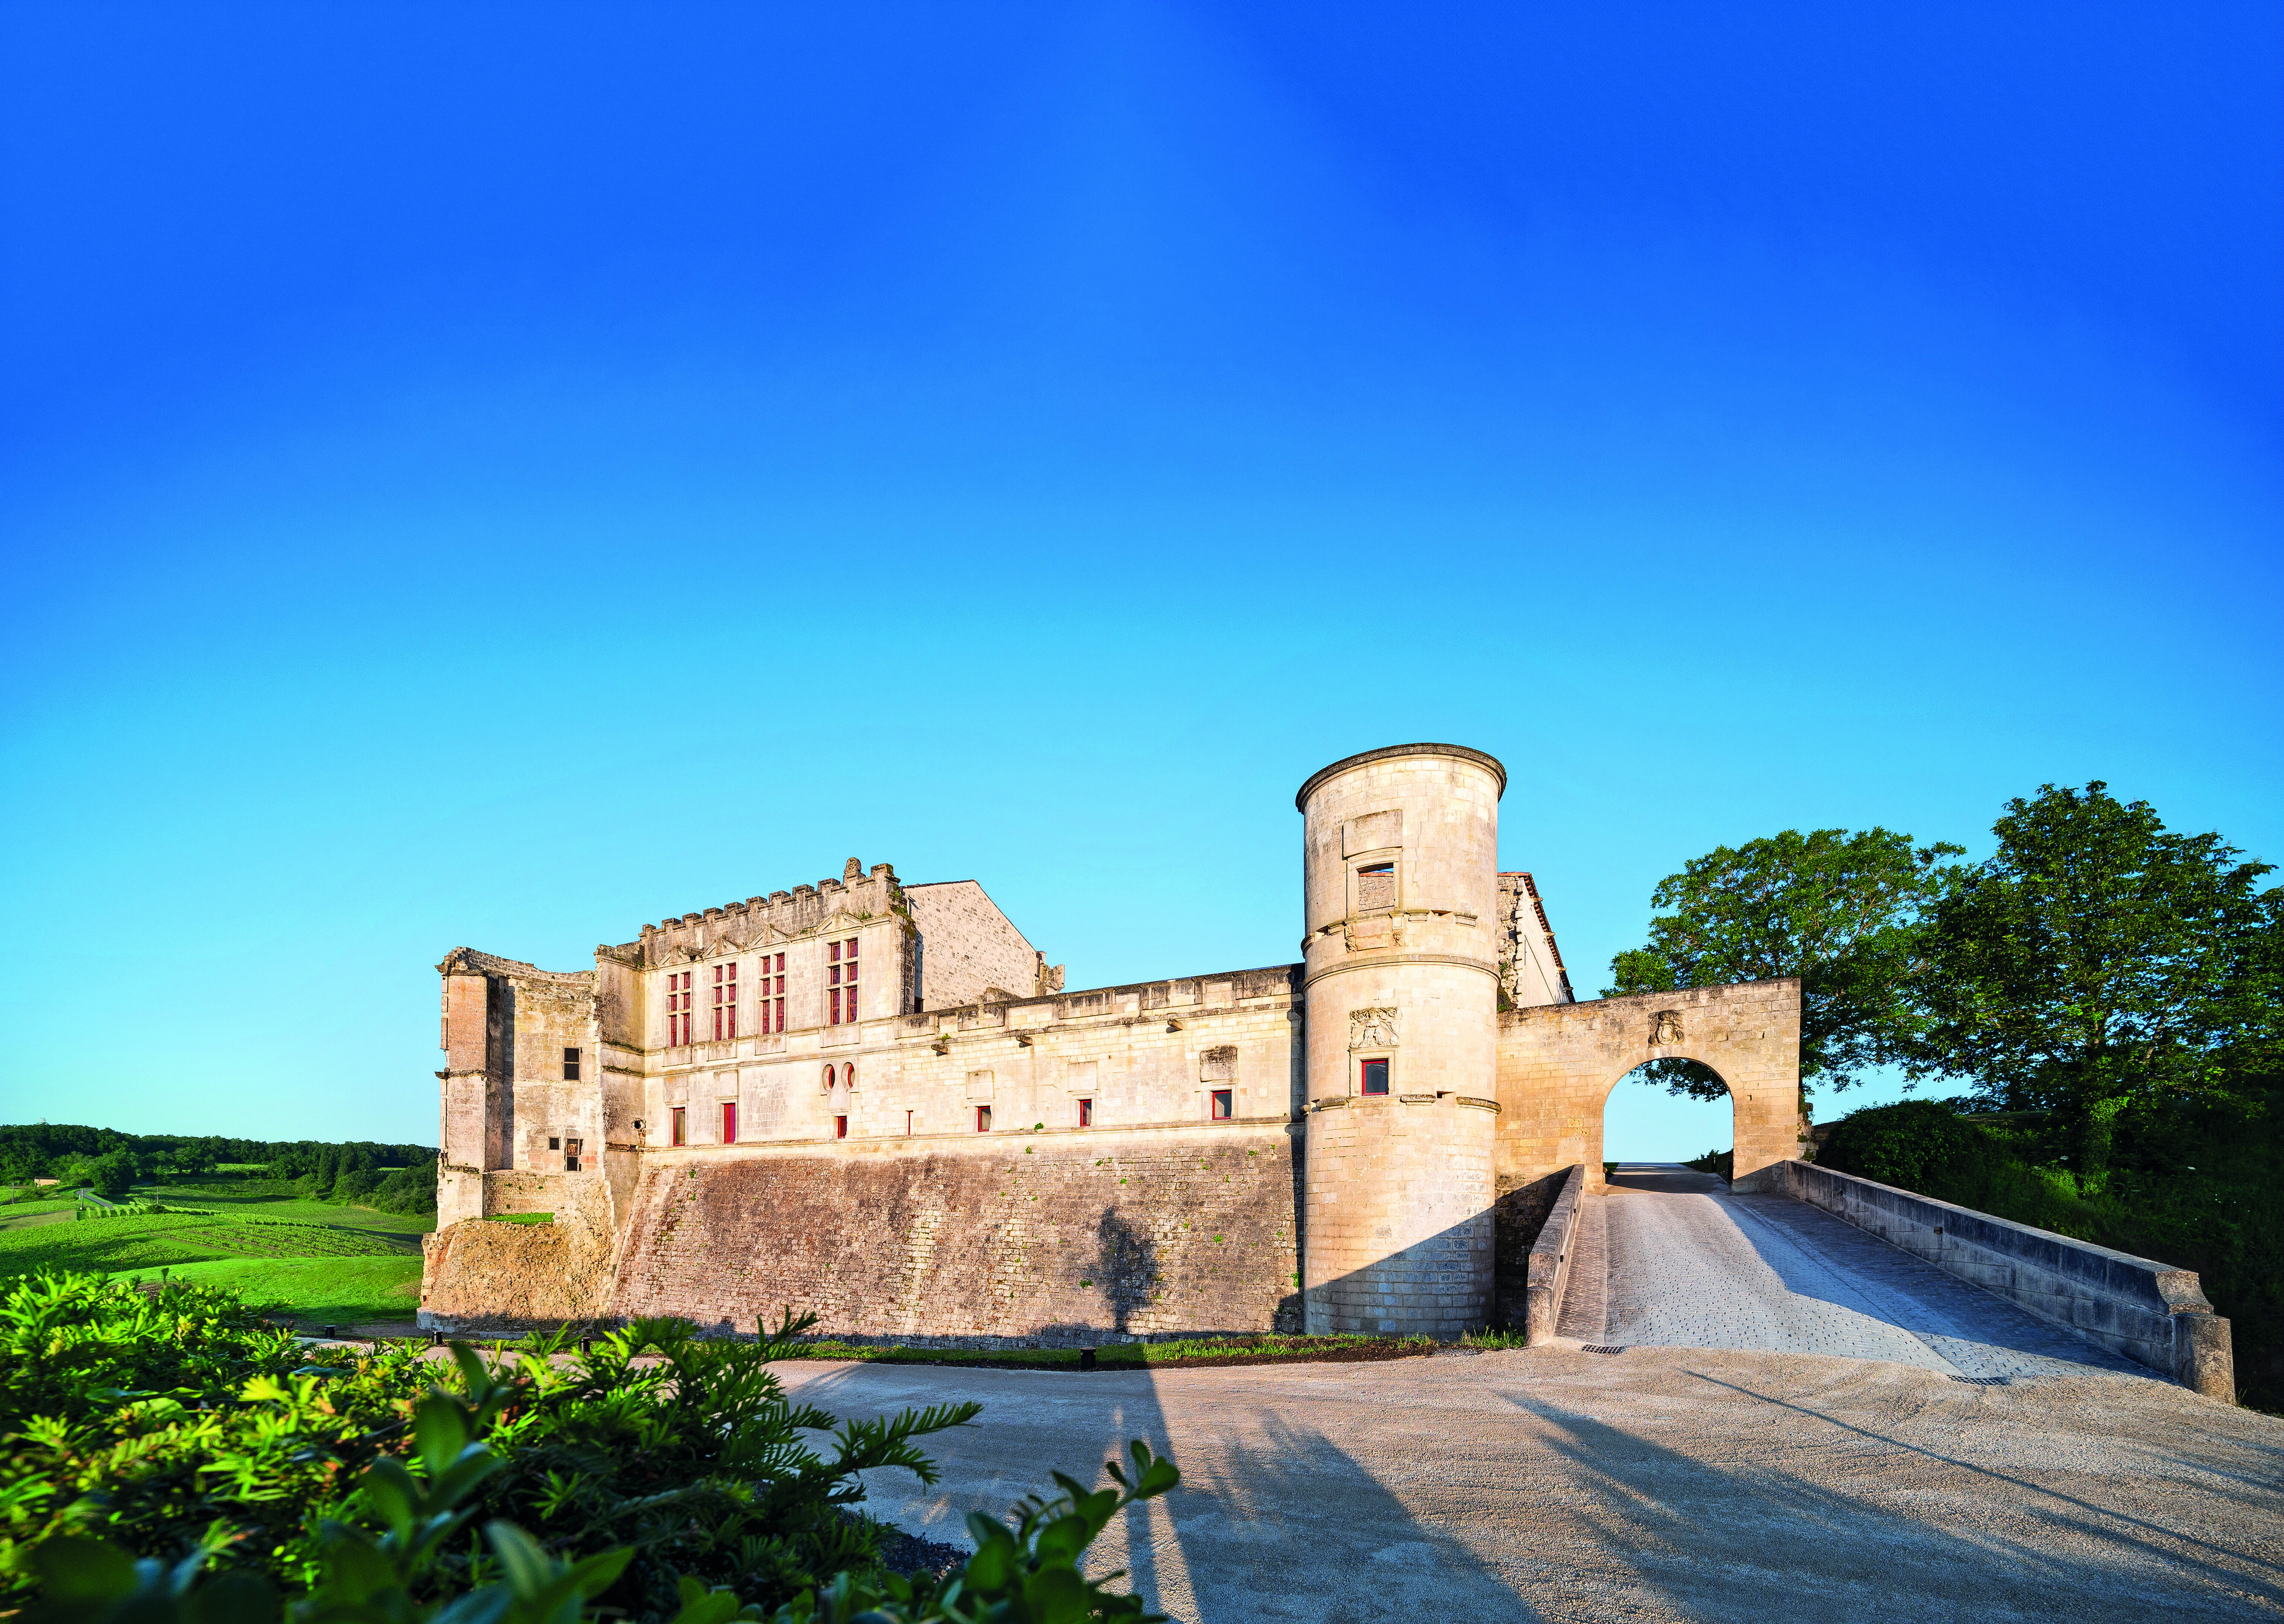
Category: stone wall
[969,949]
[1063,1238]
[1558,1062]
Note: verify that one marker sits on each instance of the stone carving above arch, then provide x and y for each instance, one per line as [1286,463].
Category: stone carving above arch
[1665,1027]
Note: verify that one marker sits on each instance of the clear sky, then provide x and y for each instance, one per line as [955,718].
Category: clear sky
[498,475]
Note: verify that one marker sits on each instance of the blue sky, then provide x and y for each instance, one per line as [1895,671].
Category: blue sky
[496,476]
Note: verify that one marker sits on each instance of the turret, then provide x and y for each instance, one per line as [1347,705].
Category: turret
[1400,876]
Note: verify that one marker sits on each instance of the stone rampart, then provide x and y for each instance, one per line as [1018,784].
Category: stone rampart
[1064,1237]
[2156,1316]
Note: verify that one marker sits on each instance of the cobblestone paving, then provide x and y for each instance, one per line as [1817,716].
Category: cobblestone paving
[1691,1265]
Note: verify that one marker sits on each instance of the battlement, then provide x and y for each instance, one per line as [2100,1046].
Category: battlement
[759,921]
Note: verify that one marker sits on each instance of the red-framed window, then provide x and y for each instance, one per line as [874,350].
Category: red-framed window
[679,998]
[983,1119]
[771,996]
[840,1128]
[1086,1113]
[841,977]
[1373,1077]
[681,1125]
[831,1077]
[725,1001]
[1223,1104]
[728,1121]
[908,1124]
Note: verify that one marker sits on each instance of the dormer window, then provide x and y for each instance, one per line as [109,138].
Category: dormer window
[1375,886]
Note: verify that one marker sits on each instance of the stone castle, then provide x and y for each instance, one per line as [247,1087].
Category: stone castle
[876,1102]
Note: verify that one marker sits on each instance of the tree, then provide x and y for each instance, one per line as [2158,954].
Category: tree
[2097,959]
[1842,912]
[113,1174]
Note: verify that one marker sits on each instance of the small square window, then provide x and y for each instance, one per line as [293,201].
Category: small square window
[1375,1077]
[1376,887]
[555,1144]
[983,1119]
[570,1066]
[1221,1101]
[1086,1113]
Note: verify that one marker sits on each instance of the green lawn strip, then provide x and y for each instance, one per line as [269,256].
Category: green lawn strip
[269,1199]
[343,1289]
[521,1217]
[1142,1355]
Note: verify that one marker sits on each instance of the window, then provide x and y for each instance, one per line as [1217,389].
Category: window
[908,1124]
[983,1119]
[1221,1105]
[555,1144]
[1375,1077]
[570,1066]
[841,977]
[681,1125]
[772,997]
[1086,1113]
[840,1128]
[828,1080]
[572,1148]
[1376,887]
[728,1121]
[725,1002]
[678,999]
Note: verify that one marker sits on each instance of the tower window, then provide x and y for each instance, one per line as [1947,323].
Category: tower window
[840,1128]
[681,1125]
[1376,887]
[983,1119]
[1221,1103]
[1086,1113]
[841,977]
[829,1080]
[570,1066]
[725,1001]
[1375,1077]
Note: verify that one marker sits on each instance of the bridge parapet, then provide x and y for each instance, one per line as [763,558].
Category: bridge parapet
[2155,1314]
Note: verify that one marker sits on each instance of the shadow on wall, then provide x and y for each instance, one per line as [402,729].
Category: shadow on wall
[1518,1215]
[1440,1286]
[1684,1525]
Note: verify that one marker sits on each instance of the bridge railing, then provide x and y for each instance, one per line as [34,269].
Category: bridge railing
[1550,1260]
[2155,1314]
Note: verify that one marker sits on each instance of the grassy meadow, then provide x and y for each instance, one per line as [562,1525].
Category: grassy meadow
[314,1259]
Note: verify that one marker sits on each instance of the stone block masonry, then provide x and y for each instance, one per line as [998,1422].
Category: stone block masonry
[1056,1238]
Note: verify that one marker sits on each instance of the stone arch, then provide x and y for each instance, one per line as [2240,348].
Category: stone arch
[1611,1093]
[1559,1062]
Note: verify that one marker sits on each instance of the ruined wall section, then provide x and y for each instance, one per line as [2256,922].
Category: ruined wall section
[1060,1238]
[1532,971]
[970,952]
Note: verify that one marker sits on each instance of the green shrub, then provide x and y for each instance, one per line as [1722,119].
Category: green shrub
[174,1426]
[1723,1162]
[1920,1144]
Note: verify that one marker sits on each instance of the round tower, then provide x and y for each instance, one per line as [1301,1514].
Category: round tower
[1400,878]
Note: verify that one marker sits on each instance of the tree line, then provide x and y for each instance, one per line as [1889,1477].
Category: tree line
[2096,963]
[395,1177]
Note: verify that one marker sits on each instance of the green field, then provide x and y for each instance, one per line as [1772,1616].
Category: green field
[314,1259]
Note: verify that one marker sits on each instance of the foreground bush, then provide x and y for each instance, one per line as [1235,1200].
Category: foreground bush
[178,1429]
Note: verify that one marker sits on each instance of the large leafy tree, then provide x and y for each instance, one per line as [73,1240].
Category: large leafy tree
[2097,959]
[1841,910]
